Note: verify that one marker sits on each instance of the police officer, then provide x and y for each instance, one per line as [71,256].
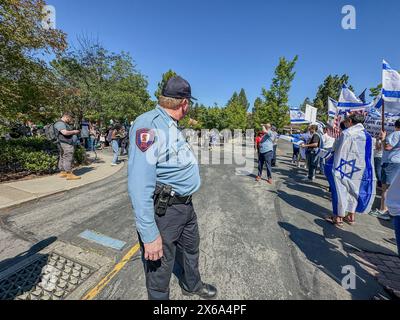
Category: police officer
[163,174]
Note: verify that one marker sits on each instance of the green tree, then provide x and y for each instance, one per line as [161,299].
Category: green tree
[26,84]
[306,102]
[242,100]
[233,99]
[214,118]
[330,88]
[236,112]
[165,77]
[375,91]
[275,108]
[259,114]
[101,85]
[236,116]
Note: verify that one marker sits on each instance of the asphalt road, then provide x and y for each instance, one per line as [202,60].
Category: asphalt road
[257,241]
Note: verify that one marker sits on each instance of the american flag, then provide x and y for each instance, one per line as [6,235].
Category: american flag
[334,131]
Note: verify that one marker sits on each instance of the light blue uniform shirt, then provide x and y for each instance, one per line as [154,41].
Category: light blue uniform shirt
[169,160]
[392,156]
[267,144]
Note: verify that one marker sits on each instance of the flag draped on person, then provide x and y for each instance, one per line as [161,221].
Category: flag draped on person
[350,172]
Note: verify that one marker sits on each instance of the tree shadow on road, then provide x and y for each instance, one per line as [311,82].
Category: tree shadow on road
[308,189]
[304,204]
[327,257]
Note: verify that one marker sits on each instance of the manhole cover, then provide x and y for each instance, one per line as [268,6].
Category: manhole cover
[49,277]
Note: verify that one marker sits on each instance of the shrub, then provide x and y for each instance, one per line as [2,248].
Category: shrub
[33,155]
[80,155]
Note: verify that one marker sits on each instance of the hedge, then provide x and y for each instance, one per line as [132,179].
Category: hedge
[32,155]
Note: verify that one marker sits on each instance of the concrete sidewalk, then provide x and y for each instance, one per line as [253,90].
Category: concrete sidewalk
[16,193]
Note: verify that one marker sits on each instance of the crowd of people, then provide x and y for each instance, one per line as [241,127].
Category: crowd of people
[353,163]
[68,134]
[115,135]
[92,138]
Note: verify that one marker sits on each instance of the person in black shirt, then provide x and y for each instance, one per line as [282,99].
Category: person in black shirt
[65,140]
[311,151]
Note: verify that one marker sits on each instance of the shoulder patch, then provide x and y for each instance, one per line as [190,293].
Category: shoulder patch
[145,138]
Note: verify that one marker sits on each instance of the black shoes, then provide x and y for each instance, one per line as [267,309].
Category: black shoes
[207,292]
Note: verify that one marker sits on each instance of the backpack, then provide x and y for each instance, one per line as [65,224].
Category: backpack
[51,132]
[109,136]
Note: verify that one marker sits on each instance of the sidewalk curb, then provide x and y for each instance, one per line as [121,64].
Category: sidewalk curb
[6,210]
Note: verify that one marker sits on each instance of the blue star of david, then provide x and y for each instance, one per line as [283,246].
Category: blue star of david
[343,166]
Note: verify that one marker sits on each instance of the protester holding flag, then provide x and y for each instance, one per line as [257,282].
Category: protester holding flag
[350,172]
[312,148]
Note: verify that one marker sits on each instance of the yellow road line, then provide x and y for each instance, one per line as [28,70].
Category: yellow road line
[101,285]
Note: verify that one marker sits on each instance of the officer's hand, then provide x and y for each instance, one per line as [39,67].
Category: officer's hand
[153,251]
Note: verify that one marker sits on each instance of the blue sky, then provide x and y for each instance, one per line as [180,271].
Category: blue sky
[223,45]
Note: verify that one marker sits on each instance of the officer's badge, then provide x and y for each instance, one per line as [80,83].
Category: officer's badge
[144,139]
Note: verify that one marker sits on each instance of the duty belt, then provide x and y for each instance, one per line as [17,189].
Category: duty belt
[180,200]
[165,197]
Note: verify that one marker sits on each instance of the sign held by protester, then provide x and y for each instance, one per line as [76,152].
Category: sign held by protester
[311,114]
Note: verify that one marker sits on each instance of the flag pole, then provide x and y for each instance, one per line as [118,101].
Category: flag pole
[383,114]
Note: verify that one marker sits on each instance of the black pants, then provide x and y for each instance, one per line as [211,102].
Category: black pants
[265,158]
[180,235]
[296,155]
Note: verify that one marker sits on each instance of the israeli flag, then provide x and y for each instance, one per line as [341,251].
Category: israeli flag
[391,90]
[332,108]
[324,154]
[290,139]
[348,102]
[374,110]
[350,172]
[390,83]
[297,116]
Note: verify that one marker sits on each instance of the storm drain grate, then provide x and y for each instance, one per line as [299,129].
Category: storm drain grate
[49,277]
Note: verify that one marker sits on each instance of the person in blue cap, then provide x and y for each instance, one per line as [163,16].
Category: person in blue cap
[163,175]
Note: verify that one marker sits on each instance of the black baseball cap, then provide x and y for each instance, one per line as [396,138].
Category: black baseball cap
[177,87]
